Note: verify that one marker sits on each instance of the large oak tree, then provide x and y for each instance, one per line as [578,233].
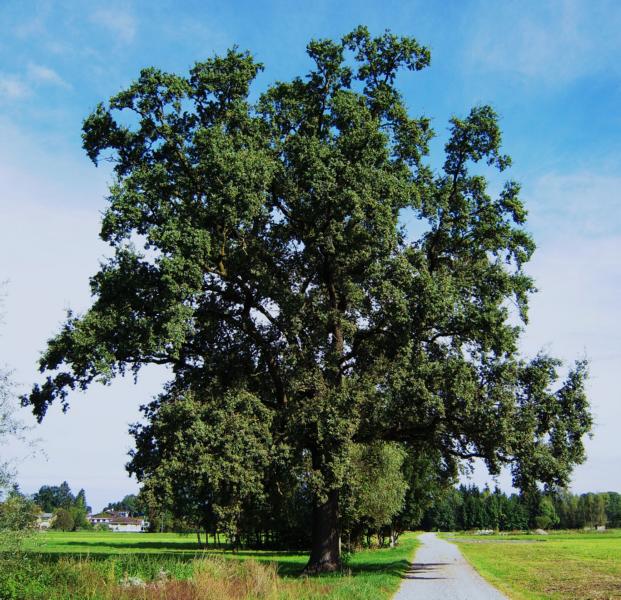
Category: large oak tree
[258,252]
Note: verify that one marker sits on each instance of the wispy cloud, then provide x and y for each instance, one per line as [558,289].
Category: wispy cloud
[12,87]
[120,23]
[16,87]
[34,26]
[584,203]
[553,42]
[44,75]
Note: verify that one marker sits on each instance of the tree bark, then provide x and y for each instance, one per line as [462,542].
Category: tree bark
[325,555]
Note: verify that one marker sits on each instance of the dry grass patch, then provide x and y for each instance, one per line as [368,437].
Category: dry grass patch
[213,578]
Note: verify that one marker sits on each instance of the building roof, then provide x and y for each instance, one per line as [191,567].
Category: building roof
[116,519]
[127,521]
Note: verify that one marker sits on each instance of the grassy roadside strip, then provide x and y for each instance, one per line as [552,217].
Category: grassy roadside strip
[99,567]
[375,574]
[556,567]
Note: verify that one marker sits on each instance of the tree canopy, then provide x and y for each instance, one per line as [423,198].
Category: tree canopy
[18,521]
[60,500]
[51,497]
[259,252]
[130,503]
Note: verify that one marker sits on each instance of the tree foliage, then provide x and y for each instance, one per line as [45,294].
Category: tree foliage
[17,513]
[18,521]
[51,497]
[11,427]
[59,499]
[130,503]
[258,252]
[63,520]
[377,485]
[204,458]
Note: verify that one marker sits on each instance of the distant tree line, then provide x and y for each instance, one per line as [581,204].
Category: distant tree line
[389,492]
[467,507]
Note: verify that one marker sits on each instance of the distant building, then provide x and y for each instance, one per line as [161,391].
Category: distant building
[119,521]
[44,520]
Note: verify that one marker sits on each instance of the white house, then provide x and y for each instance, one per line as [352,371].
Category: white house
[100,519]
[129,524]
[119,521]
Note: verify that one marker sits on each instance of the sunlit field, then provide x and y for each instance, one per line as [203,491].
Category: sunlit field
[103,542]
[105,565]
[557,566]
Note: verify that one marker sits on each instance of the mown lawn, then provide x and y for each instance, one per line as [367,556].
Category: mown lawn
[63,566]
[557,566]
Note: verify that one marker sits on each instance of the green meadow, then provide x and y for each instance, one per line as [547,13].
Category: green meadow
[557,566]
[102,566]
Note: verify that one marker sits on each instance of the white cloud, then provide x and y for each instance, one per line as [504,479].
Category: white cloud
[575,314]
[122,24]
[45,75]
[577,221]
[49,247]
[576,218]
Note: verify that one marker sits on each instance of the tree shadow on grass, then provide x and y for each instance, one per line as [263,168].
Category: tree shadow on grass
[398,568]
[182,547]
[395,567]
[172,546]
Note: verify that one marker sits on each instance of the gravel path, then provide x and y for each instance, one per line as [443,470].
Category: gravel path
[440,572]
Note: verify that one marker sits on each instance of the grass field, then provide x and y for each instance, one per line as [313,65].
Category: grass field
[91,565]
[564,565]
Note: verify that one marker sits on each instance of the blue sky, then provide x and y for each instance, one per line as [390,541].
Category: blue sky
[552,70]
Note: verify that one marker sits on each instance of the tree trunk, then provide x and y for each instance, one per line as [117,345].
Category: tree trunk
[325,556]
[198,537]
